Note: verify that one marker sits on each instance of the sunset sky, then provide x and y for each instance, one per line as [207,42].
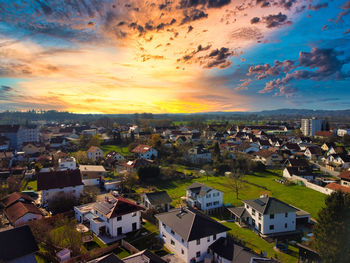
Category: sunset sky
[174,56]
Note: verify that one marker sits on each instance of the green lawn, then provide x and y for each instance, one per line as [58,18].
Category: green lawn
[108,148]
[258,244]
[33,185]
[299,196]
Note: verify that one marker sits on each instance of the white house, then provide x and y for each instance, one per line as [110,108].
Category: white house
[203,197]
[92,174]
[267,215]
[115,155]
[112,217]
[199,155]
[305,173]
[342,132]
[94,153]
[67,163]
[188,233]
[54,184]
[145,152]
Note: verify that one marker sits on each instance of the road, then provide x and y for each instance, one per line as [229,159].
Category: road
[325,170]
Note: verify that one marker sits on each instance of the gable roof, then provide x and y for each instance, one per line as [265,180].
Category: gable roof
[264,153]
[298,162]
[110,258]
[59,179]
[141,148]
[345,175]
[19,209]
[200,189]
[117,207]
[338,187]
[93,149]
[269,205]
[16,243]
[144,256]
[14,197]
[190,224]
[157,198]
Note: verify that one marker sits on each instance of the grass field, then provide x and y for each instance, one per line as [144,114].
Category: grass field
[122,150]
[299,196]
[29,185]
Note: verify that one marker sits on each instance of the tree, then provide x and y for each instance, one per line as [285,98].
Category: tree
[89,194]
[94,141]
[346,139]
[156,141]
[148,173]
[61,204]
[235,179]
[332,231]
[81,157]
[130,180]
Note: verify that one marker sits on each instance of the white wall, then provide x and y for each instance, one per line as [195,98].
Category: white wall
[47,195]
[94,181]
[189,248]
[209,198]
[279,222]
[27,217]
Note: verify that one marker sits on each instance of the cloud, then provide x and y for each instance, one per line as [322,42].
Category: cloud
[255,20]
[219,58]
[204,3]
[320,64]
[263,3]
[193,15]
[318,6]
[275,20]
[244,85]
[346,8]
[4,88]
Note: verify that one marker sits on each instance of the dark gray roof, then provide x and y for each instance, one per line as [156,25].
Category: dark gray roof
[269,205]
[191,224]
[110,258]
[144,256]
[16,243]
[200,189]
[158,198]
[230,250]
[237,211]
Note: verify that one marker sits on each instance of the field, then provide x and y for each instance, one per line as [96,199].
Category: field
[296,195]
[122,150]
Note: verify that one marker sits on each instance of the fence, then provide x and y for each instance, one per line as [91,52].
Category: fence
[312,186]
[129,247]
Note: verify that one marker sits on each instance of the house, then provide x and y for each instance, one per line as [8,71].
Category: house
[92,174]
[58,141]
[226,250]
[345,178]
[341,160]
[145,152]
[110,258]
[67,163]
[267,157]
[267,215]
[292,147]
[324,134]
[338,187]
[18,245]
[342,132]
[18,134]
[188,233]
[132,166]
[301,163]
[30,148]
[157,200]
[203,197]
[198,155]
[327,145]
[313,153]
[112,217]
[144,256]
[94,153]
[55,184]
[306,173]
[19,209]
[115,156]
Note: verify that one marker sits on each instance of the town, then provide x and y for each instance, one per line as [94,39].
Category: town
[159,190]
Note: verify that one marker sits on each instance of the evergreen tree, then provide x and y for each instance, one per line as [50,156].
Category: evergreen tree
[332,231]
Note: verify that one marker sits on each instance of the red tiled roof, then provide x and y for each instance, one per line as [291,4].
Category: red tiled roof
[264,153]
[336,187]
[345,175]
[14,197]
[59,179]
[117,207]
[141,148]
[19,209]
[93,149]
[324,133]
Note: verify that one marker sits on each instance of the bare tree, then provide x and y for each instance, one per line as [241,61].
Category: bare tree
[236,180]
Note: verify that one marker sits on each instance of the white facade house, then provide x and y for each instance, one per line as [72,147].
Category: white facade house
[67,163]
[145,152]
[342,132]
[199,155]
[112,217]
[157,200]
[267,215]
[55,184]
[188,233]
[203,197]
[309,127]
[92,174]
[94,153]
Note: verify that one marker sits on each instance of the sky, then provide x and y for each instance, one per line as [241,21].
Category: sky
[174,56]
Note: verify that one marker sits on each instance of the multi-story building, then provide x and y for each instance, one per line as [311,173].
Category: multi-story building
[19,134]
[145,152]
[188,233]
[67,163]
[94,153]
[203,197]
[309,127]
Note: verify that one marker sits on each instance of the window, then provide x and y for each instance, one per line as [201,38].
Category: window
[259,216]
[182,240]
[198,241]
[164,225]
[208,204]
[216,203]
[253,212]
[208,239]
[182,251]
[172,232]
[272,227]
[285,225]
[286,214]
[208,195]
[133,214]
[198,254]
[172,242]
[272,216]
[214,237]
[247,206]
[119,218]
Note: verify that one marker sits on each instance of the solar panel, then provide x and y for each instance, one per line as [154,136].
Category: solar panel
[259,202]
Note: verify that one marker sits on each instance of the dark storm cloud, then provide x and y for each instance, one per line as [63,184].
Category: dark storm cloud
[204,3]
[275,20]
[192,15]
[255,20]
